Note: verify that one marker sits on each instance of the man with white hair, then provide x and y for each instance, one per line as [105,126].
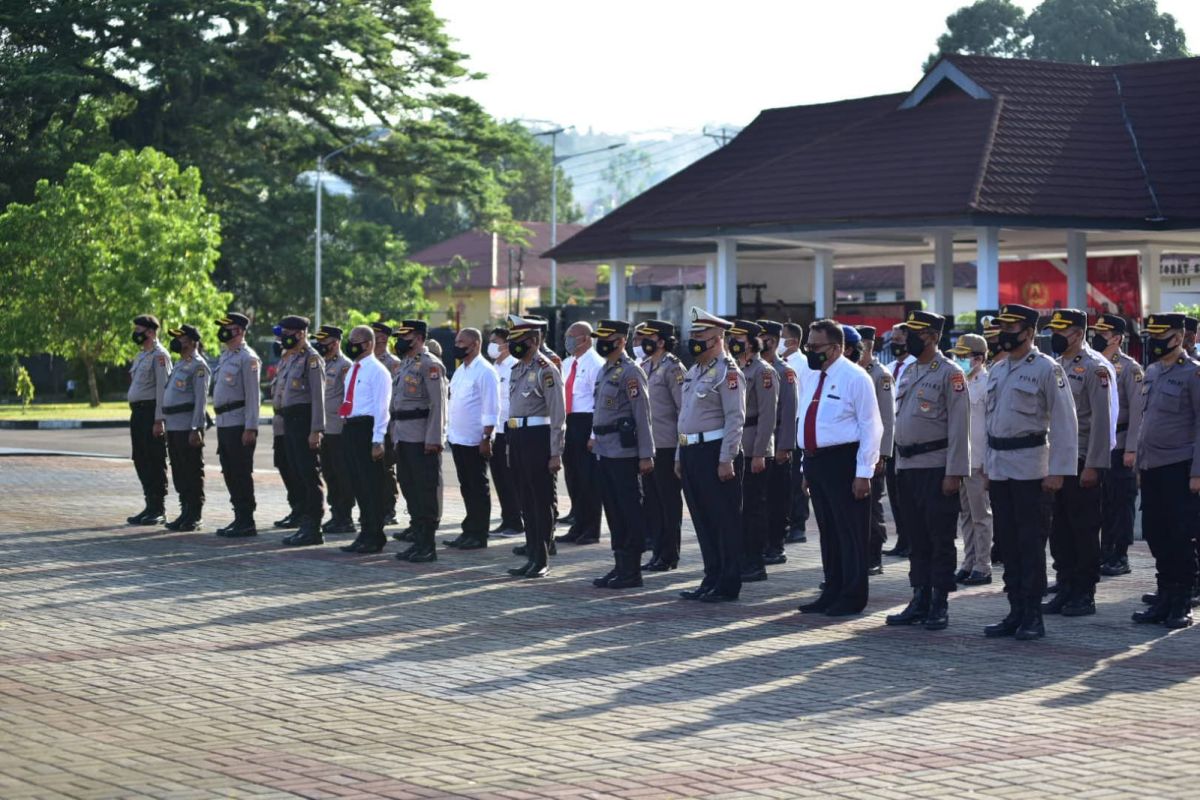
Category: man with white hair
[580,370]
[365,410]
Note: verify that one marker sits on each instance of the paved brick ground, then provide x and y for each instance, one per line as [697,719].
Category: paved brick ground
[141,663]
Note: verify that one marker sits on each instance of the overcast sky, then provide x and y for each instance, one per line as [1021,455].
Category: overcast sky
[644,65]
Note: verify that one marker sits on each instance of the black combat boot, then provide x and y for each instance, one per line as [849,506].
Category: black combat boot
[1081,604]
[1158,611]
[1179,610]
[629,572]
[1032,626]
[916,610]
[243,526]
[1007,626]
[292,520]
[1061,597]
[939,611]
[309,533]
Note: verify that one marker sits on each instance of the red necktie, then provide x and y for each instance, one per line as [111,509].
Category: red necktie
[810,418]
[348,403]
[571,384]
[896,370]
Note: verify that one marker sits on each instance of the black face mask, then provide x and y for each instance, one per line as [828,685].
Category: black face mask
[854,354]
[697,346]
[898,349]
[460,353]
[993,348]
[1098,343]
[289,341]
[139,337]
[1059,344]
[225,334]
[737,347]
[605,349]
[816,360]
[175,346]
[1160,347]
[914,345]
[355,349]
[649,347]
[1009,341]
[401,346]
[277,348]
[518,350]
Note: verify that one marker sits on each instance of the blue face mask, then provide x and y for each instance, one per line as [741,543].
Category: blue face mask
[965,363]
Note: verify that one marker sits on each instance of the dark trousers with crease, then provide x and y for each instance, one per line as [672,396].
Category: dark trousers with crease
[579,471]
[621,496]
[187,470]
[1120,500]
[237,468]
[506,488]
[931,518]
[663,505]
[1021,514]
[716,508]
[419,475]
[472,470]
[878,529]
[798,518]
[754,514]
[1075,533]
[889,474]
[1169,521]
[280,458]
[389,488]
[844,524]
[779,505]
[149,453]
[303,462]
[528,457]
[364,478]
[337,477]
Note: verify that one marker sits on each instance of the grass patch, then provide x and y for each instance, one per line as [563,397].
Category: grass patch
[115,409]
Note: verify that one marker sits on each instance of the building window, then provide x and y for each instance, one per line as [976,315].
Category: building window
[869,296]
[899,294]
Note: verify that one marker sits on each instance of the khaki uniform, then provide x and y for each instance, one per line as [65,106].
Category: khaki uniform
[148,377]
[779,481]
[714,400]
[665,388]
[183,405]
[622,401]
[885,396]
[663,491]
[884,392]
[536,390]
[975,508]
[535,430]
[1088,377]
[147,381]
[301,401]
[235,380]
[758,441]
[419,385]
[279,452]
[334,467]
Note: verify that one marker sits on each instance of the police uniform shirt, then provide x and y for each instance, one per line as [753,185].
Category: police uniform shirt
[1170,415]
[932,404]
[148,376]
[277,426]
[785,413]
[886,397]
[1090,380]
[622,393]
[536,390]
[714,399]
[665,381]
[390,362]
[335,390]
[420,383]
[188,385]
[302,382]
[1029,396]
[762,405]
[1130,376]
[236,380]
[847,412]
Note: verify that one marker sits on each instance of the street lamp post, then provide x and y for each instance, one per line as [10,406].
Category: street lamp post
[377,135]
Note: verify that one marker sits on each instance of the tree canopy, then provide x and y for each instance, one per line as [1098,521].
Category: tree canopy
[1077,31]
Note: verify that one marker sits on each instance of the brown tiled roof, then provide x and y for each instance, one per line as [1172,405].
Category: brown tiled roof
[475,247]
[1054,144]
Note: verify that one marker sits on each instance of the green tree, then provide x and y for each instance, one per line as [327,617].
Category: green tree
[127,235]
[986,27]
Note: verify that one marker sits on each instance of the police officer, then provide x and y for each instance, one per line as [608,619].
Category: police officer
[1168,461]
[1032,443]
[291,482]
[711,416]
[901,363]
[884,394]
[990,330]
[302,405]
[975,514]
[1075,531]
[933,455]
[779,478]
[183,412]
[758,443]
[622,442]
[789,351]
[236,406]
[1190,325]
[663,501]
[419,430]
[535,429]
[389,490]
[147,381]
[328,343]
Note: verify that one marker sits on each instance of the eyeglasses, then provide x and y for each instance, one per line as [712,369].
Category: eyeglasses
[816,348]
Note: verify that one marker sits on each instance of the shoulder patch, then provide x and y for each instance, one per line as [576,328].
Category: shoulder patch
[958,382]
[679,376]
[1102,374]
[162,361]
[1138,377]
[791,375]
[547,379]
[542,362]
[314,362]
[1059,375]
[435,373]
[200,373]
[631,388]
[768,381]
[731,379]
[886,385]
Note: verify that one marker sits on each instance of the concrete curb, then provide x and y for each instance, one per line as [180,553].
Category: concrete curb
[72,424]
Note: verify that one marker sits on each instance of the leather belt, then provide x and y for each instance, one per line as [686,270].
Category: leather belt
[179,409]
[833,448]
[686,439]
[1016,442]
[234,406]
[600,430]
[413,413]
[910,450]
[135,404]
[1122,427]
[526,422]
[750,422]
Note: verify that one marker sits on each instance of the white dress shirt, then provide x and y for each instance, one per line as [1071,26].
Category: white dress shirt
[583,396]
[799,363]
[503,369]
[372,394]
[474,402]
[847,412]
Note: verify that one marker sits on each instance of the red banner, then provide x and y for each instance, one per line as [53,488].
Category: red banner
[1113,285]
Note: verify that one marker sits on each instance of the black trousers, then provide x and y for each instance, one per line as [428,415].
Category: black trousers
[779,505]
[621,495]
[472,469]
[716,508]
[187,470]
[284,467]
[1075,533]
[754,514]
[878,529]
[528,457]
[798,518]
[389,488]
[1120,499]
[149,453]
[304,462]
[419,475]
[579,471]
[337,477]
[1021,514]
[237,467]
[506,488]
[844,524]
[1170,514]
[364,478]
[663,504]
[931,518]
[894,501]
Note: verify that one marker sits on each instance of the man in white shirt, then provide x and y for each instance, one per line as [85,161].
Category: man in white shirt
[511,523]
[580,369]
[471,421]
[839,431]
[789,351]
[365,410]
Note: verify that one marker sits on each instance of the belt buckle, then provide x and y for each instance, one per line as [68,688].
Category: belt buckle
[683,440]
[513,423]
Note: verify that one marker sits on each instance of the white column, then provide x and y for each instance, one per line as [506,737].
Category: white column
[1150,269]
[1077,270]
[616,291]
[943,273]
[987,260]
[912,277]
[823,293]
[710,285]
[726,278]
